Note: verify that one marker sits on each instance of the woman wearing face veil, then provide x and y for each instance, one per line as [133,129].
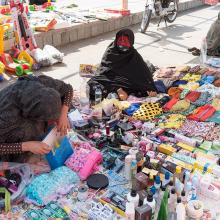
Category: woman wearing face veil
[123,70]
[26,109]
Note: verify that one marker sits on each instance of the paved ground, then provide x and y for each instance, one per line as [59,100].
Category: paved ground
[163,46]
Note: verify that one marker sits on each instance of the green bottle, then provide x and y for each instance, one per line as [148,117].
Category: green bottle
[163,212]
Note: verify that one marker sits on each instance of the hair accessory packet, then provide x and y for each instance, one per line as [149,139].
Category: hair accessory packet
[48,187]
[14,178]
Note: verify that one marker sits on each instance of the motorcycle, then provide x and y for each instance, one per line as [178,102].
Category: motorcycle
[164,9]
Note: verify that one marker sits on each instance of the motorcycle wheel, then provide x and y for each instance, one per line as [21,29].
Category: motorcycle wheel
[146,19]
[173,11]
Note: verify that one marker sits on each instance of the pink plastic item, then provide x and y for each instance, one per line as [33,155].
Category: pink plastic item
[93,160]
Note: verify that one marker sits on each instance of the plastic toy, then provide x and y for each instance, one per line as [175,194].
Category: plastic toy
[22,68]
[23,33]
[23,55]
[2,69]
[3,29]
[91,164]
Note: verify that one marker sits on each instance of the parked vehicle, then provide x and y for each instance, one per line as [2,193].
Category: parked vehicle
[165,9]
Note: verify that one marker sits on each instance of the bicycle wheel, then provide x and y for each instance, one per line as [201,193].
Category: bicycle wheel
[146,19]
[172,11]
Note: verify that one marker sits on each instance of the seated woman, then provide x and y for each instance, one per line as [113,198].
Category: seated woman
[212,40]
[27,108]
[123,70]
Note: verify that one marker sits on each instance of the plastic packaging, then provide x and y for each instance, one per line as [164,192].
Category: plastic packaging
[54,53]
[26,174]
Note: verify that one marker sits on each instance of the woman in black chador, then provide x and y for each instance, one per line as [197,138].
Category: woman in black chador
[123,70]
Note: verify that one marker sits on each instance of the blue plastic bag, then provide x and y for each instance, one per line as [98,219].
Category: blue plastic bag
[57,157]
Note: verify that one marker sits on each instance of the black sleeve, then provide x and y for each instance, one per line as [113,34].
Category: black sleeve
[7,148]
[65,90]
[37,2]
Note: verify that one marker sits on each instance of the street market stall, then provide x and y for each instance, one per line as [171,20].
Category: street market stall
[144,158]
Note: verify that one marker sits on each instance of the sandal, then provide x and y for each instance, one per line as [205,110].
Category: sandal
[192,49]
[196,52]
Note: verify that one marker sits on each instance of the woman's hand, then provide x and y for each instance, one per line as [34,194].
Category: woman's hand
[123,96]
[36,147]
[63,123]
[152,93]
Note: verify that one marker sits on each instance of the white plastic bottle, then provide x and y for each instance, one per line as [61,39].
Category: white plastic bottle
[180,210]
[186,179]
[216,170]
[133,197]
[151,202]
[208,189]
[127,170]
[172,200]
[84,94]
[130,211]
[98,95]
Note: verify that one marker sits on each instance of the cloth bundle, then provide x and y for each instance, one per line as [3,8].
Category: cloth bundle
[47,187]
[175,92]
[214,134]
[148,111]
[197,129]
[191,77]
[180,106]
[173,121]
[202,100]
[202,113]
[215,117]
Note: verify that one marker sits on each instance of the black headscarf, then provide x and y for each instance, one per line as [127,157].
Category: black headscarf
[26,106]
[125,70]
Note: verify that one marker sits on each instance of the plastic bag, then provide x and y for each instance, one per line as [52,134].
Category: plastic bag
[41,57]
[54,54]
[50,186]
[26,174]
[203,54]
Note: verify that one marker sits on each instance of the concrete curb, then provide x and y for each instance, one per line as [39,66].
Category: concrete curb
[62,36]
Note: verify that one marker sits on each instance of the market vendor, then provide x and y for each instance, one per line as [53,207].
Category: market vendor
[212,40]
[28,108]
[123,69]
